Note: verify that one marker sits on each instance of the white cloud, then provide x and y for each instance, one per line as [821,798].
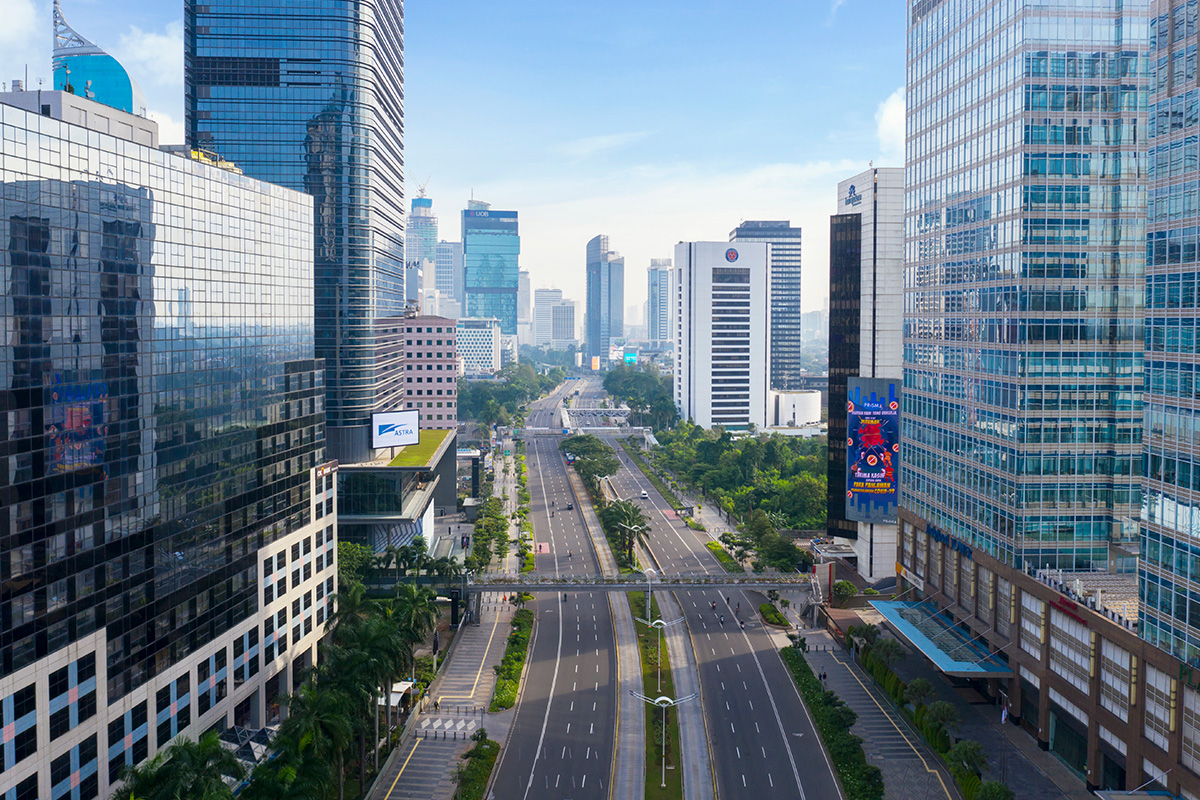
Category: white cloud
[889,128]
[588,146]
[170,130]
[24,40]
[834,5]
[154,58]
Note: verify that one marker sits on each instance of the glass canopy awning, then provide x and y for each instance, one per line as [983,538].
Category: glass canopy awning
[923,626]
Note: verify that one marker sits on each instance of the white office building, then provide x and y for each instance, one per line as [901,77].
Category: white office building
[479,346]
[722,339]
[543,300]
[660,304]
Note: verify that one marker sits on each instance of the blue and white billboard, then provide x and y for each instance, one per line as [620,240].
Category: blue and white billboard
[395,429]
[872,449]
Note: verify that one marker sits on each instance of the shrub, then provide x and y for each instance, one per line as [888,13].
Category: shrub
[969,783]
[861,781]
[993,790]
[508,671]
[771,615]
[843,591]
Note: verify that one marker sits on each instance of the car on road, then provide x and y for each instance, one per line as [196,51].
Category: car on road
[645,495]
[570,506]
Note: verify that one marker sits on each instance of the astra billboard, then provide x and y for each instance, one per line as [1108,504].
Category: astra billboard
[395,429]
[872,449]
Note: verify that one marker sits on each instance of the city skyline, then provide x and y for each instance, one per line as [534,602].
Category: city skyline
[748,142]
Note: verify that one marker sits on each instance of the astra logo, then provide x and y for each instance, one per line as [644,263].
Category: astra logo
[386,428]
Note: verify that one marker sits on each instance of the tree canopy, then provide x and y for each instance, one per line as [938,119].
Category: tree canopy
[650,396]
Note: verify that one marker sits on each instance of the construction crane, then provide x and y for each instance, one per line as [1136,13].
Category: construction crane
[421,188]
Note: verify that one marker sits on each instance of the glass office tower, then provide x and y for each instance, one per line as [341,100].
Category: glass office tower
[311,96]
[491,246]
[421,236]
[660,303]
[787,319]
[1025,226]
[161,435]
[1169,570]
[605,309]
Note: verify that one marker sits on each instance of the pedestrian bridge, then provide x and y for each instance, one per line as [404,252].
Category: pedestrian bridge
[509,582]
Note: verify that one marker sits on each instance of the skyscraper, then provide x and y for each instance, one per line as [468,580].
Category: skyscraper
[524,299]
[448,262]
[1170,615]
[786,316]
[311,97]
[543,318]
[491,245]
[866,293]
[150,496]
[660,303]
[421,236]
[605,312]
[722,343]
[1023,364]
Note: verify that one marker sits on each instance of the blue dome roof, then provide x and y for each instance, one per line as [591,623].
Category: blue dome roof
[82,68]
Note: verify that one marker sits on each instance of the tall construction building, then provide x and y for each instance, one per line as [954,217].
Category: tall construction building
[421,235]
[268,87]
[491,246]
[660,304]
[787,321]
[605,310]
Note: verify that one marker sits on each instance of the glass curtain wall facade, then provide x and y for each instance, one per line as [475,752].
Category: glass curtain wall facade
[162,416]
[1025,226]
[311,96]
[845,314]
[1169,569]
[448,269]
[787,319]
[605,313]
[421,235]
[491,246]
[659,303]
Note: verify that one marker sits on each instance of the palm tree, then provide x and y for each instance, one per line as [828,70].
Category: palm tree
[323,716]
[293,771]
[918,691]
[629,521]
[185,769]
[943,712]
[968,756]
[351,607]
[352,667]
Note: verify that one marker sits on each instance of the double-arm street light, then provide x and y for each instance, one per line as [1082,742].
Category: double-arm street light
[664,703]
[657,624]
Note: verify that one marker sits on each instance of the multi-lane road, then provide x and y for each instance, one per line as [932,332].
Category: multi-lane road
[761,739]
[561,742]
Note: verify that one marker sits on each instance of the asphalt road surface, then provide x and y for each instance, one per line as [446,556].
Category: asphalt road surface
[561,741]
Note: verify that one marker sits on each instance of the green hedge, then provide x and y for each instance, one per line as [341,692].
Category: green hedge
[771,614]
[473,778]
[727,561]
[860,780]
[508,671]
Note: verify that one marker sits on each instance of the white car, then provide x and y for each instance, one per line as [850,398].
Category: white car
[645,495]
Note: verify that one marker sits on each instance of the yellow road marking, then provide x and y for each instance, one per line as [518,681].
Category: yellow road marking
[903,735]
[482,663]
[401,772]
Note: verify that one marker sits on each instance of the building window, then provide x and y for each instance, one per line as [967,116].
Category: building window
[1004,607]
[985,603]
[1190,752]
[1070,650]
[1033,629]
[1115,679]
[1158,707]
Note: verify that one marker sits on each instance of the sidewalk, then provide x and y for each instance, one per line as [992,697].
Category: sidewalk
[422,767]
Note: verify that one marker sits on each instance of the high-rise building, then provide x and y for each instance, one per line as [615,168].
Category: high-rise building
[866,293]
[153,509]
[722,337]
[431,370]
[524,298]
[1167,570]
[605,312]
[421,234]
[543,301]
[83,69]
[448,265]
[479,346]
[660,304]
[312,97]
[562,325]
[491,245]
[1022,408]
[786,315]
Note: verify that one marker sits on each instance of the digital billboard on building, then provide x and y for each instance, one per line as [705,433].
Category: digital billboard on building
[395,429]
[872,449]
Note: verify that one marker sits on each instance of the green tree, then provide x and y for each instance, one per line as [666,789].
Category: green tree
[967,756]
[292,771]
[993,790]
[323,717]
[918,691]
[627,522]
[888,652]
[944,712]
[352,562]
[843,591]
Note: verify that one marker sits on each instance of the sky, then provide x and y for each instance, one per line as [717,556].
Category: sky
[652,121]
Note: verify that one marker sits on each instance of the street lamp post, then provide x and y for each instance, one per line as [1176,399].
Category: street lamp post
[664,703]
[657,624]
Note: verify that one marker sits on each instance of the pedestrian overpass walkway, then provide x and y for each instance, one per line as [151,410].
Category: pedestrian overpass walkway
[508,582]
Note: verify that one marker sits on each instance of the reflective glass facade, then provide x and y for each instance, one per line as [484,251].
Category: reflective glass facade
[162,413]
[1025,226]
[786,316]
[491,247]
[845,318]
[660,302]
[1169,570]
[605,298]
[310,95]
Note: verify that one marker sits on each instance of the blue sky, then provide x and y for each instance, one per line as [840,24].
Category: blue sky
[654,121]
